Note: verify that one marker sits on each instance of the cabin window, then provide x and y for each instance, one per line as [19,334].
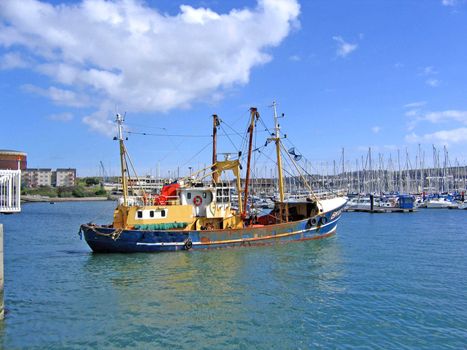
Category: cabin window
[188,195]
[163,213]
[151,213]
[223,195]
[140,214]
[204,194]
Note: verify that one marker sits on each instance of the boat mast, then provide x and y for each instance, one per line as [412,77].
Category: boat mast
[215,124]
[119,121]
[254,114]
[277,140]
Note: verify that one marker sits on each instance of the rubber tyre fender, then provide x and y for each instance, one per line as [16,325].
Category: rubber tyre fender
[323,220]
[188,244]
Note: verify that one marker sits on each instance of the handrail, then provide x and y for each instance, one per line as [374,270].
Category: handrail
[10,191]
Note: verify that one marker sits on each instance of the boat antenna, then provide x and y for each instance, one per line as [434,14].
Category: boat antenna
[119,119]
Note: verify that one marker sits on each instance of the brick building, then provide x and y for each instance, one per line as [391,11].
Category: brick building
[9,160]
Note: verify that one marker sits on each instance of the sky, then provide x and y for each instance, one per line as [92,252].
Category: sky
[390,75]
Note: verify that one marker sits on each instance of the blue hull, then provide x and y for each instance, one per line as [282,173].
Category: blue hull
[109,240]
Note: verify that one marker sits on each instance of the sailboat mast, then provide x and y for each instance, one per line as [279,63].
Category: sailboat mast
[215,124]
[277,140]
[119,121]
[254,114]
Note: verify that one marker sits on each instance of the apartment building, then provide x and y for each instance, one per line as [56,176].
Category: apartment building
[37,177]
[64,177]
[48,177]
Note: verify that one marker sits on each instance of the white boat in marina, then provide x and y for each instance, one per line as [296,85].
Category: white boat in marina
[440,203]
[462,205]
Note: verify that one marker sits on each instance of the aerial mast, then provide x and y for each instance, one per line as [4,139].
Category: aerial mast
[119,121]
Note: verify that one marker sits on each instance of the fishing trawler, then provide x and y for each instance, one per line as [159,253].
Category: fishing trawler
[190,214]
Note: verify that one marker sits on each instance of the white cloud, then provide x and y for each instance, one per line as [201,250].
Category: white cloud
[12,60]
[449,2]
[415,104]
[432,82]
[458,135]
[428,70]
[60,96]
[344,48]
[446,116]
[62,117]
[295,58]
[104,53]
[376,129]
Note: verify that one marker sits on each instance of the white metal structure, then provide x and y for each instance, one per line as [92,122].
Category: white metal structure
[10,191]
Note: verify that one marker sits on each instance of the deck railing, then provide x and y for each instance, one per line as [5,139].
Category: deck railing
[10,191]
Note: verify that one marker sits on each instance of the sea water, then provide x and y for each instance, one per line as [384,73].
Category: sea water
[385,281]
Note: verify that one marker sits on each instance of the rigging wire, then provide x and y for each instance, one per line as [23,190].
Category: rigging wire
[170,135]
[312,177]
[197,153]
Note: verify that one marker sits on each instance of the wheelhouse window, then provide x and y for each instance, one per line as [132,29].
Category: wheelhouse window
[223,195]
[188,195]
[140,214]
[151,213]
[163,213]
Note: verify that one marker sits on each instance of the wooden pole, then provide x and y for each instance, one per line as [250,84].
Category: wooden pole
[254,114]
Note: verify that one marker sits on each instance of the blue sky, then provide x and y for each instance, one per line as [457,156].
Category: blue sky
[347,74]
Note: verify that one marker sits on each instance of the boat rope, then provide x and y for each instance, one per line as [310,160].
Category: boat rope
[115,234]
[133,168]
[197,153]
[170,135]
[300,174]
[310,175]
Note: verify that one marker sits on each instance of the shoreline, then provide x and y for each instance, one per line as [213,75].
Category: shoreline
[42,199]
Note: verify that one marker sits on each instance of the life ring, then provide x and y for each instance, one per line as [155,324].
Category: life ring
[197,201]
[188,244]
[323,220]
